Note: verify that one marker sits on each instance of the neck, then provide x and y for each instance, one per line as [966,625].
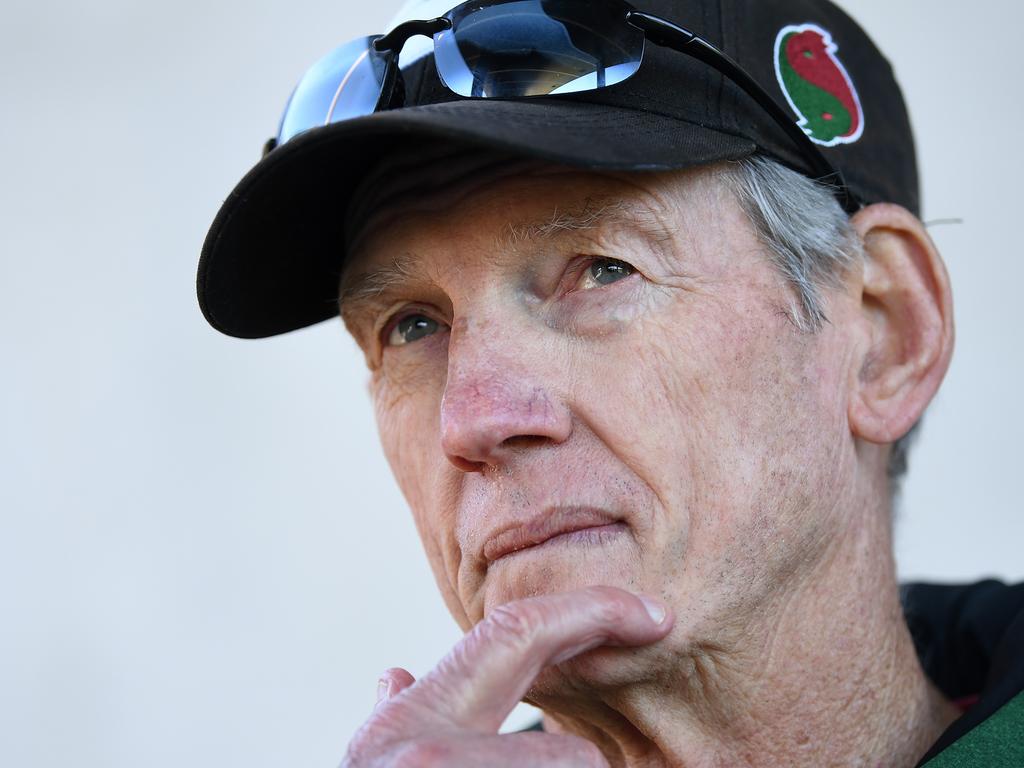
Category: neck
[825,674]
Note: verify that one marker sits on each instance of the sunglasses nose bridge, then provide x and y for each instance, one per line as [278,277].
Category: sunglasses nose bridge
[397,38]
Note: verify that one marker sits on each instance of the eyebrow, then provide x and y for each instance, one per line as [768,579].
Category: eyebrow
[371,285]
[592,215]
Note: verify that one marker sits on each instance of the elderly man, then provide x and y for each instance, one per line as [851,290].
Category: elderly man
[649,315]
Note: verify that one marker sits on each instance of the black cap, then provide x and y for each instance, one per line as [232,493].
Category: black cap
[273,257]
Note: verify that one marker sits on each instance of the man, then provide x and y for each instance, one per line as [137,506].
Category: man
[648,329]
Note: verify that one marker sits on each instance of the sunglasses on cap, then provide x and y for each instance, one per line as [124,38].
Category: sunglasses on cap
[513,49]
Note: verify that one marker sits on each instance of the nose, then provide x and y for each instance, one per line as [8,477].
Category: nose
[495,405]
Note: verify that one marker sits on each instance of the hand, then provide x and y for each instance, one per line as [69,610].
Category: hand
[451,716]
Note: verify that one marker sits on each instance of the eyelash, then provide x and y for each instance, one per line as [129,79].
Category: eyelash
[580,269]
[571,278]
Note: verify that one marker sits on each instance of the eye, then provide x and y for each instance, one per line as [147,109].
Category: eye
[604,272]
[411,328]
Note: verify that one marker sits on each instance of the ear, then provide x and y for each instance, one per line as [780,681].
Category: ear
[907,312]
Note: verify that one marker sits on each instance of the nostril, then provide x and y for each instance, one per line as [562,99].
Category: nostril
[465,465]
[510,445]
[526,441]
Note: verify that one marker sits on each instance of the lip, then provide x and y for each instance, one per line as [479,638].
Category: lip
[551,524]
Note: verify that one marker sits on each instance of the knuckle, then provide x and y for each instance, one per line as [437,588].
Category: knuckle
[609,605]
[514,624]
[610,613]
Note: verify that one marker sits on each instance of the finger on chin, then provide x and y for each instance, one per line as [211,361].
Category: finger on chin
[492,667]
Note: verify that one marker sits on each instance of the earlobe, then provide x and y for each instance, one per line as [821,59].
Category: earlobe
[907,310]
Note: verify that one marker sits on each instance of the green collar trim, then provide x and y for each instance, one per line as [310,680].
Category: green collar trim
[997,743]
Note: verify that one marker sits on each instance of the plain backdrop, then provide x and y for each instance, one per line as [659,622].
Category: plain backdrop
[203,558]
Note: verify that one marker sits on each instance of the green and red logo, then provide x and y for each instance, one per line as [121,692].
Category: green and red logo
[817,85]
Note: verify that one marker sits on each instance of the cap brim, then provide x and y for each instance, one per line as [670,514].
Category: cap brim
[273,256]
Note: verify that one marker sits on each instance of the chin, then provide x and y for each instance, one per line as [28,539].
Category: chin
[563,566]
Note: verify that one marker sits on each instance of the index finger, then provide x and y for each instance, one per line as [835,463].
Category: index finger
[491,669]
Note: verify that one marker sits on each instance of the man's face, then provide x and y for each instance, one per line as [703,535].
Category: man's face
[585,378]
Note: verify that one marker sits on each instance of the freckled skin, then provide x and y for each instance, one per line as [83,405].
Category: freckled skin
[681,398]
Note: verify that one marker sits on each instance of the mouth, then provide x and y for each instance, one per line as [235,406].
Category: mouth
[567,525]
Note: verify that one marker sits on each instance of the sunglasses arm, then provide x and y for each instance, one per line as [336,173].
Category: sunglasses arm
[666,34]
[396,38]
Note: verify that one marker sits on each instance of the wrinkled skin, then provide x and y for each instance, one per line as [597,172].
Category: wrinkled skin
[738,461]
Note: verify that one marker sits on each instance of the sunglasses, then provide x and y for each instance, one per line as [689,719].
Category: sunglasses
[513,49]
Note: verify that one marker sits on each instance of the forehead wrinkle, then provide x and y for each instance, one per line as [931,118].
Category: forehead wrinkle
[594,214]
[649,217]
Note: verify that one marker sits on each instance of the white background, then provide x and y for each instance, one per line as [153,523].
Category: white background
[203,560]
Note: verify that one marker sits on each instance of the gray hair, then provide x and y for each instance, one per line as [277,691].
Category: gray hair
[811,241]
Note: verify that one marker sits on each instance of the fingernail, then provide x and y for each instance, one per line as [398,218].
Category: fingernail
[382,690]
[655,609]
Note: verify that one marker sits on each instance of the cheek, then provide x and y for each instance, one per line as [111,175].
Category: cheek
[406,391]
[719,404]
[761,427]
[407,421]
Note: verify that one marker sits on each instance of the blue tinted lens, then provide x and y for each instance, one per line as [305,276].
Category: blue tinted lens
[345,83]
[516,48]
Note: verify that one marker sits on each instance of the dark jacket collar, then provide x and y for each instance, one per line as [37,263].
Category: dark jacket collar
[970,639]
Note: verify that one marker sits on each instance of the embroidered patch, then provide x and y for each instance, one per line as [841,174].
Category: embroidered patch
[817,85]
